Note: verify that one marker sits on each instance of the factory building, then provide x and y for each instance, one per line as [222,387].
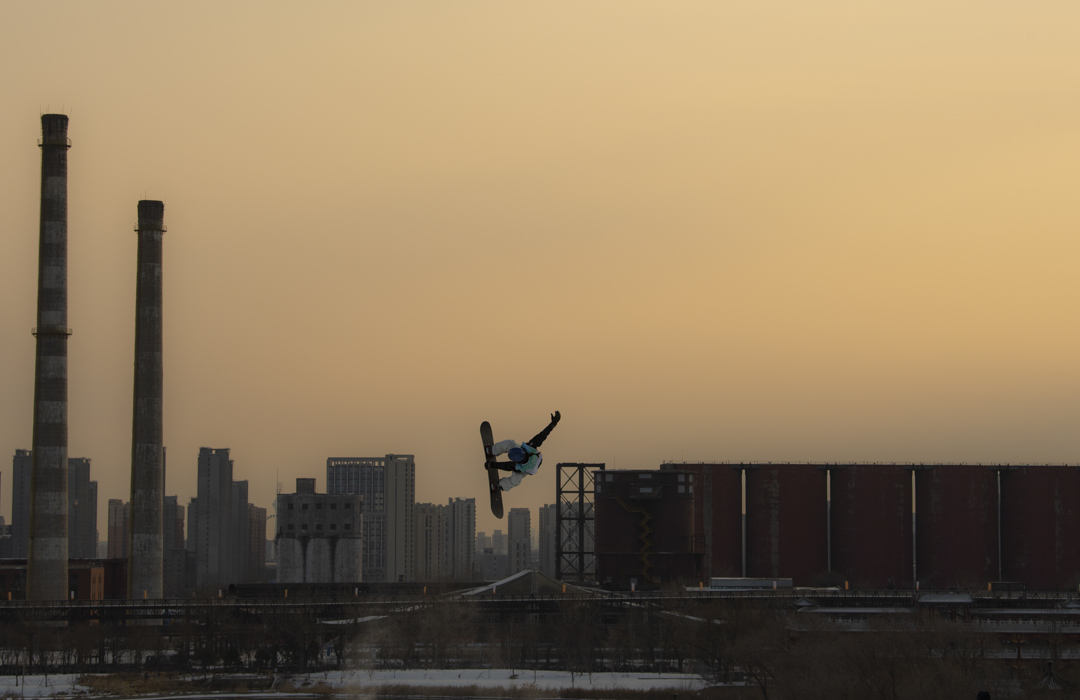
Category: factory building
[645,528]
[388,487]
[876,500]
[1039,525]
[956,527]
[319,536]
[776,499]
[887,525]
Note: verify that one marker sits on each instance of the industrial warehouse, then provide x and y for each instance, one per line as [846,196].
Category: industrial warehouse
[870,526]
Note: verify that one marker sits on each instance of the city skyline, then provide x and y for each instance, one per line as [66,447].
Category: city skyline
[703,234]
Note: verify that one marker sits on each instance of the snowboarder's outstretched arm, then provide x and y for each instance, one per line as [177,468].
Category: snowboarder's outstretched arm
[539,438]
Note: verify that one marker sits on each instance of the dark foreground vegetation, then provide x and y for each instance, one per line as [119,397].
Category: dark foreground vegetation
[760,649]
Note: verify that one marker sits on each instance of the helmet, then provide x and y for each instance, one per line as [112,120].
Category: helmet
[517,455]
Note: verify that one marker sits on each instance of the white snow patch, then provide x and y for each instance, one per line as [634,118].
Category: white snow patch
[65,685]
[41,686]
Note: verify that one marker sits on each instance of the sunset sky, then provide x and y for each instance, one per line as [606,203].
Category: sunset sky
[704,231]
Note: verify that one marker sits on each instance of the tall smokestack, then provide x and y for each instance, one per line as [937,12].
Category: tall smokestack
[146,550]
[47,570]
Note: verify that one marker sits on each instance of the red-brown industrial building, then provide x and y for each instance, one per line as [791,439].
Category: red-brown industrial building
[718,516]
[786,521]
[882,525]
[956,540]
[1040,536]
[645,528]
[871,499]
[88,579]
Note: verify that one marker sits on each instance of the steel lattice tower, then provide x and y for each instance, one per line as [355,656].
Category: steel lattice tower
[575,555]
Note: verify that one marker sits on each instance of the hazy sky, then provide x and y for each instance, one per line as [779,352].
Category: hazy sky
[703,231]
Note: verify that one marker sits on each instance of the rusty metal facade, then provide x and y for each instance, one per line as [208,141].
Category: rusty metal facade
[1041,526]
[645,528]
[786,522]
[956,526]
[717,515]
[881,526]
[871,525]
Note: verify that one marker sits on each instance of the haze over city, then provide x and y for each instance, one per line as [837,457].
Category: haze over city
[707,232]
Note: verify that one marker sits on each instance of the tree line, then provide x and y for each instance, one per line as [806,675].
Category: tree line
[761,647]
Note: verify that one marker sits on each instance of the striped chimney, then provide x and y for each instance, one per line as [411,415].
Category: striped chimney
[47,570]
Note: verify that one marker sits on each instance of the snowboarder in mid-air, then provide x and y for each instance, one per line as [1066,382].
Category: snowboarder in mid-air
[525,458]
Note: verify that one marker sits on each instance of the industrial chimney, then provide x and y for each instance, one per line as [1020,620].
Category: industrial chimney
[47,570]
[146,550]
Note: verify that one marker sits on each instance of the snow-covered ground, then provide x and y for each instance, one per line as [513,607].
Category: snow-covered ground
[357,681]
[40,686]
[495,678]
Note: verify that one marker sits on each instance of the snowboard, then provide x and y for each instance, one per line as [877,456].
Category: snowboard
[492,472]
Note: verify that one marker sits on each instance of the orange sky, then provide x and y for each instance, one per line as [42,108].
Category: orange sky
[703,231]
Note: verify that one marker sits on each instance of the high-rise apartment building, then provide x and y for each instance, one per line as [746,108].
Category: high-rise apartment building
[483,542]
[192,535]
[459,552]
[215,521]
[20,504]
[546,541]
[5,529]
[82,510]
[118,529]
[173,529]
[387,485]
[224,532]
[498,542]
[174,564]
[255,559]
[240,542]
[5,538]
[519,541]
[430,541]
[491,566]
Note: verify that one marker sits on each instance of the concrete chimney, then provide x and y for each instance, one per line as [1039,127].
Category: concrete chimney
[47,570]
[145,548]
